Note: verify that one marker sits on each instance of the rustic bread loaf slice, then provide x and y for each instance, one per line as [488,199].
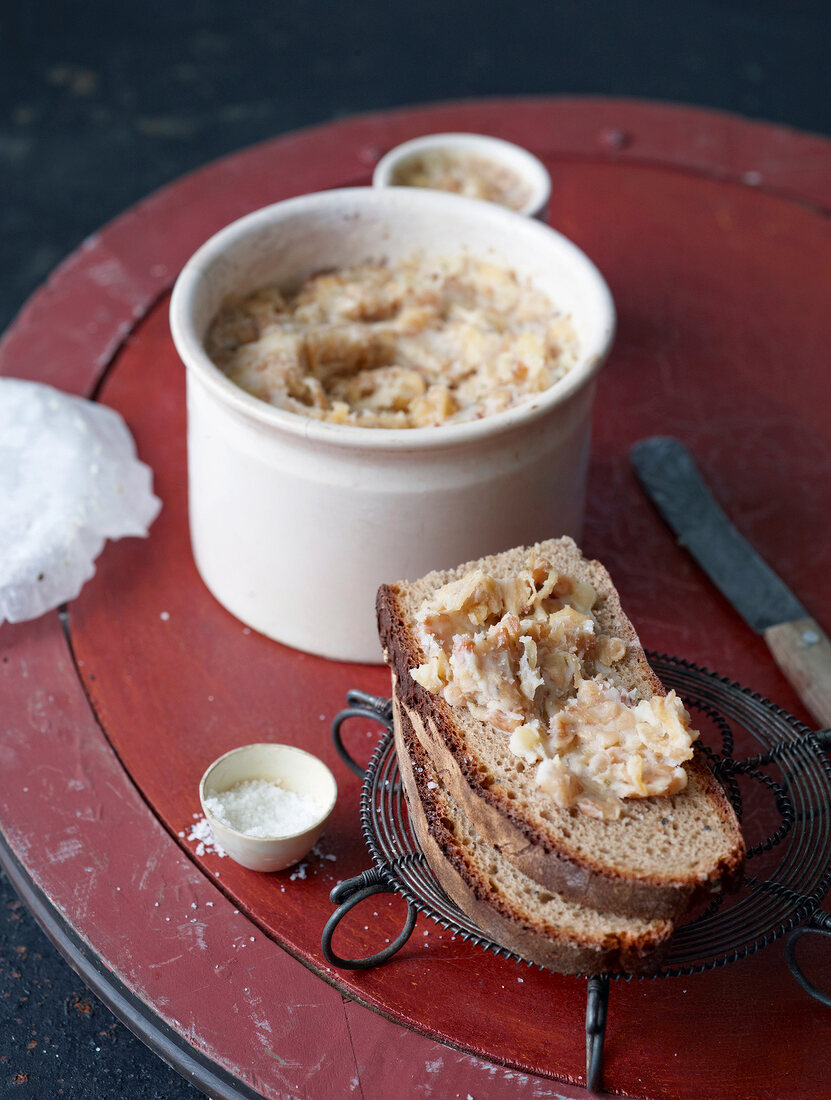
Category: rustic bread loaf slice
[512,909]
[653,861]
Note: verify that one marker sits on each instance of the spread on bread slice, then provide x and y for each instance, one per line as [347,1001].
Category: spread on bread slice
[528,689]
[526,654]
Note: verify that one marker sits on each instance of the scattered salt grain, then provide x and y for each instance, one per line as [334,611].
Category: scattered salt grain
[258,807]
[164,616]
[202,833]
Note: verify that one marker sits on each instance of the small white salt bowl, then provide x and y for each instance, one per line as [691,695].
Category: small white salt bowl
[292,769]
[527,168]
[295,522]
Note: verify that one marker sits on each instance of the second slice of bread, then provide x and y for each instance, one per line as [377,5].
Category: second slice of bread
[512,909]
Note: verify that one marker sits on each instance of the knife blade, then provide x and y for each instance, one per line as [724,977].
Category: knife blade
[799,646]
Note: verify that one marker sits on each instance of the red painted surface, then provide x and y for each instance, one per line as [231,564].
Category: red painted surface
[721,291]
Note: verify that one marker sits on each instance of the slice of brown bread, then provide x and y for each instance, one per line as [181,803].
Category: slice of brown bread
[512,909]
[653,861]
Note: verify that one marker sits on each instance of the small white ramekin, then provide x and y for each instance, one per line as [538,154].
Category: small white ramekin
[295,522]
[528,168]
[292,768]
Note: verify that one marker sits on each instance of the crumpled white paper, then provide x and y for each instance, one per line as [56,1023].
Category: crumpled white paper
[69,479]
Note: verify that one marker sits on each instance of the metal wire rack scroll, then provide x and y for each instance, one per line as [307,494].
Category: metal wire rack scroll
[788,872]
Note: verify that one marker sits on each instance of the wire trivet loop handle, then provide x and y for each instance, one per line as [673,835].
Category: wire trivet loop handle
[597,1005]
[819,925]
[350,893]
[346,895]
[361,705]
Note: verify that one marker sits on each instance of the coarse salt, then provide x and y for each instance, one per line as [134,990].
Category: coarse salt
[202,833]
[259,807]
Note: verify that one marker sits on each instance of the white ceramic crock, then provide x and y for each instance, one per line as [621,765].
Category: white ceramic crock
[295,522]
[523,164]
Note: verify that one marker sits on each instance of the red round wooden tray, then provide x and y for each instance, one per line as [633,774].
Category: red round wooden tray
[713,234]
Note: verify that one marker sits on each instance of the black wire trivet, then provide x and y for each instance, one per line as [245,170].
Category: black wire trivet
[793,767]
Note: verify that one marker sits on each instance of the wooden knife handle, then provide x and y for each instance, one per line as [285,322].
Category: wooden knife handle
[803,652]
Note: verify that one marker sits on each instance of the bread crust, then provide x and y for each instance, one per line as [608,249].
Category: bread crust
[499,915]
[544,852]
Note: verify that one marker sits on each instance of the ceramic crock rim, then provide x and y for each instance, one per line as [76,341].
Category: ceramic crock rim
[197,363]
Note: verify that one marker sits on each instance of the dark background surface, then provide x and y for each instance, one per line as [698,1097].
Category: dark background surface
[101,103]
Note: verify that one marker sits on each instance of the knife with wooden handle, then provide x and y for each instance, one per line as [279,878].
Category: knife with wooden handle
[798,644]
